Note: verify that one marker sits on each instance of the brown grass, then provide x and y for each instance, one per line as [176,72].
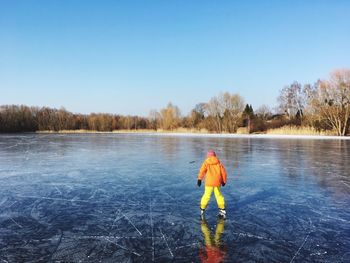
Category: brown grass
[242,130]
[285,130]
[296,130]
[178,130]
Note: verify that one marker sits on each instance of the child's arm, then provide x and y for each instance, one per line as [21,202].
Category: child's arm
[223,173]
[202,171]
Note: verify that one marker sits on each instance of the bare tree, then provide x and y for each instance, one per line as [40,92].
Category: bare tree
[215,111]
[264,112]
[225,111]
[330,99]
[154,119]
[292,100]
[196,116]
[233,105]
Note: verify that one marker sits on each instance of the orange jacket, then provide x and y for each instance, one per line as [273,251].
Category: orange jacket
[214,172]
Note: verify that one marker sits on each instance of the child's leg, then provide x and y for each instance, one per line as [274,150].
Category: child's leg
[219,197]
[206,196]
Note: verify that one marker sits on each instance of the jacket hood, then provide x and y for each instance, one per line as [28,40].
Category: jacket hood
[212,160]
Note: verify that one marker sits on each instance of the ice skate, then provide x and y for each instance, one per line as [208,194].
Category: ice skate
[202,213]
[222,213]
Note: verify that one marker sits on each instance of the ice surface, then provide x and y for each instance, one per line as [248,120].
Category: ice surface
[131,198]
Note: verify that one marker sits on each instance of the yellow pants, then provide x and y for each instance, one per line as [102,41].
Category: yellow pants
[220,200]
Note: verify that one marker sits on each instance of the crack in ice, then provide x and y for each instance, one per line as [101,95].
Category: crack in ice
[151,221]
[166,242]
[53,198]
[302,245]
[189,245]
[150,209]
[12,146]
[12,204]
[58,190]
[127,218]
[57,245]
[251,235]
[103,237]
[20,226]
[122,247]
[345,184]
[115,220]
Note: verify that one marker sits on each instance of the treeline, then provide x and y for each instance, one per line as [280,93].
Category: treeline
[324,105]
[212,116]
[14,118]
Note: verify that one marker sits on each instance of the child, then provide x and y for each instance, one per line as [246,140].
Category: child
[215,176]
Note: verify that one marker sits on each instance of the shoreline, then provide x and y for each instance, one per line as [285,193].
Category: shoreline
[200,134]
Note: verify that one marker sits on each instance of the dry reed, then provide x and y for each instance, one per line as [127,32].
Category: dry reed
[295,130]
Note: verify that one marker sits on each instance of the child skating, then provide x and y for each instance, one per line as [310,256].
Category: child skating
[215,177]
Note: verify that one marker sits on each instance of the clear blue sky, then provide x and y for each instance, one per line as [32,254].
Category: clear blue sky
[129,57]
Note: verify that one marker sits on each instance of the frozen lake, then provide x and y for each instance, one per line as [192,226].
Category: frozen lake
[134,198]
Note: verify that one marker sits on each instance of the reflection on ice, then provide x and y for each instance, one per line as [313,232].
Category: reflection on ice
[214,249]
[130,198]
